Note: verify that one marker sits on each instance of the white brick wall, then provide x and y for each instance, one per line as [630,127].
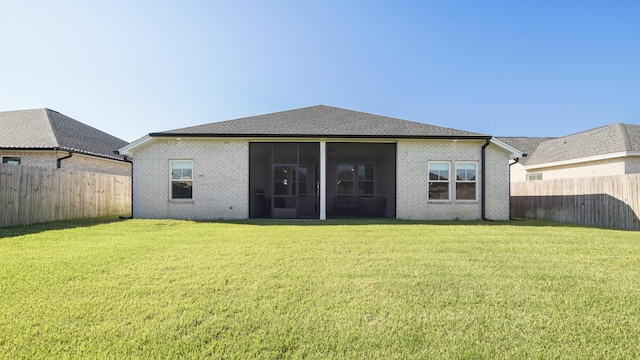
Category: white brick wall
[412,184]
[221,175]
[220,179]
[497,185]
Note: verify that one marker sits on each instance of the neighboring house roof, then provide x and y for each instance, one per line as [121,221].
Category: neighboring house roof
[323,121]
[45,129]
[609,141]
[525,144]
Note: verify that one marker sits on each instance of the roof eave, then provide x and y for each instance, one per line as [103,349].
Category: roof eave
[30,148]
[62,148]
[126,150]
[513,151]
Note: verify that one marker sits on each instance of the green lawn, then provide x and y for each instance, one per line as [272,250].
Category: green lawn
[336,289]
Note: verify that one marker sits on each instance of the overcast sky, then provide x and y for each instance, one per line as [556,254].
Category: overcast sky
[512,67]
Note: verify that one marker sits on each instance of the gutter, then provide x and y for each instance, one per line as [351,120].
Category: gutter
[516,154]
[515,161]
[126,159]
[57,148]
[59,160]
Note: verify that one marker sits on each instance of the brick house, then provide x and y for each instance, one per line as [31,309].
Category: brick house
[609,150]
[320,162]
[46,138]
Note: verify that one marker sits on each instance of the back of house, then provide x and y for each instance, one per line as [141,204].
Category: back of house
[320,162]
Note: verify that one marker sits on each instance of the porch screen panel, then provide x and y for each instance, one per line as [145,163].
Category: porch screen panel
[345,178]
[366,179]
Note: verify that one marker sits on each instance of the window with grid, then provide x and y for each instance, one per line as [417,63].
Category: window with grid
[439,180]
[466,180]
[356,178]
[181,180]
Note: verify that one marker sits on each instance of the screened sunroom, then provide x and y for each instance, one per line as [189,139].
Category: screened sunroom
[285,180]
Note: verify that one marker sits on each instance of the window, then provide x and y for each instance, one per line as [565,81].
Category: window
[302,181]
[181,179]
[466,180]
[365,179]
[12,160]
[439,181]
[345,179]
[356,179]
[534,176]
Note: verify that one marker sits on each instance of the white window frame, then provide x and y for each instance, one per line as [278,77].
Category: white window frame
[475,182]
[172,180]
[11,156]
[448,181]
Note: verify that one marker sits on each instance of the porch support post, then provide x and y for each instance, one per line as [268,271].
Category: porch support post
[323,180]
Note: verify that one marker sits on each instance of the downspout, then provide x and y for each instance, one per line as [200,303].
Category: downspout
[483,185]
[59,161]
[515,161]
[130,162]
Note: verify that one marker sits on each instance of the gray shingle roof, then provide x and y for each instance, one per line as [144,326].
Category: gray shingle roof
[525,144]
[317,121]
[48,129]
[614,138]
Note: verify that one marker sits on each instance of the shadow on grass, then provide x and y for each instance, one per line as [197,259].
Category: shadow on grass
[13,231]
[20,230]
[374,221]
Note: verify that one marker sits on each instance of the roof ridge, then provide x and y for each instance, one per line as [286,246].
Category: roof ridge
[245,117]
[320,120]
[51,127]
[625,135]
[588,130]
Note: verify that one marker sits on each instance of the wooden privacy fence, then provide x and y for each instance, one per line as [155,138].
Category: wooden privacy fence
[36,194]
[606,201]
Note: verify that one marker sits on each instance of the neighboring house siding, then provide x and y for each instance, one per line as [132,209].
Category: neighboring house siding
[518,173]
[76,162]
[413,179]
[619,166]
[579,170]
[33,158]
[220,179]
[95,164]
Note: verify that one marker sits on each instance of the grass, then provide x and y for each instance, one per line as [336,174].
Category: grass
[337,289]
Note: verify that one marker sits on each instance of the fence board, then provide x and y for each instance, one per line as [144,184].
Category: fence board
[606,201]
[32,194]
